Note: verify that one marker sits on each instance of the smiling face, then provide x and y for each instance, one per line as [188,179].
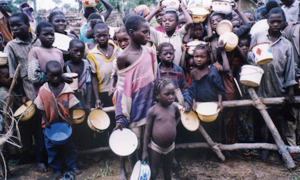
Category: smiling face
[59,23]
[166,96]
[276,22]
[18,27]
[200,57]
[159,17]
[169,22]
[46,36]
[167,54]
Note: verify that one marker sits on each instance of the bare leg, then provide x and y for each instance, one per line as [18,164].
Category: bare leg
[122,175]
[154,158]
[167,165]
[132,158]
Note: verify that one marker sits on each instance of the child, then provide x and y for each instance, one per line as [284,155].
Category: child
[123,40]
[206,85]
[82,68]
[173,36]
[175,73]
[55,101]
[160,130]
[159,16]
[1,42]
[59,22]
[279,74]
[137,69]
[197,32]
[39,56]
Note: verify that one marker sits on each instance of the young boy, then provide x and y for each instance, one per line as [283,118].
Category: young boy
[137,69]
[169,23]
[279,74]
[56,100]
[160,131]
[82,68]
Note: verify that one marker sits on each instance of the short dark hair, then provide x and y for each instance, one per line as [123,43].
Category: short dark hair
[162,45]
[94,16]
[22,16]
[160,83]
[42,25]
[88,11]
[54,13]
[93,22]
[174,13]
[223,16]
[125,18]
[133,22]
[277,10]
[76,41]
[100,26]
[52,65]
[270,5]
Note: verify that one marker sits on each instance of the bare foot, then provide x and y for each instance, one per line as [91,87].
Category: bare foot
[122,175]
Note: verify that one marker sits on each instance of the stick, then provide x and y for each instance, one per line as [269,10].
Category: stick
[262,109]
[212,144]
[10,92]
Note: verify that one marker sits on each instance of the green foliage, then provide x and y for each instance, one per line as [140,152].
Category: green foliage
[14,4]
[104,172]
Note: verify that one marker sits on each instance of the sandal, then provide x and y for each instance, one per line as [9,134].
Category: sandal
[58,174]
[42,167]
[76,171]
[246,152]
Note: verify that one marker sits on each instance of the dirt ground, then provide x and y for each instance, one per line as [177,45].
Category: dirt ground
[191,166]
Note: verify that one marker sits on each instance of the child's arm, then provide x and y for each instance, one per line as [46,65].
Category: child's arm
[208,30]
[188,20]
[220,106]
[241,54]
[177,114]
[96,91]
[242,16]
[182,61]
[289,98]
[194,105]
[47,125]
[157,10]
[225,66]
[87,105]
[113,84]
[70,122]
[149,127]
[109,9]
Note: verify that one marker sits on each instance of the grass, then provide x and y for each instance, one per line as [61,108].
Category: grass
[104,171]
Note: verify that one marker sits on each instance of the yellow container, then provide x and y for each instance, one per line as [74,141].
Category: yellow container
[230,41]
[190,120]
[199,14]
[78,116]
[98,120]
[25,112]
[208,111]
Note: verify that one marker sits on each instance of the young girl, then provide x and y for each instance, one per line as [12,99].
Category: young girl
[160,131]
[123,39]
[206,86]
[59,22]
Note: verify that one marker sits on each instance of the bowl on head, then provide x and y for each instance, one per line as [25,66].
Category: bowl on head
[58,133]
[208,111]
[199,14]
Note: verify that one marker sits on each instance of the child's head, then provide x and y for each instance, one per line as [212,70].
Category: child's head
[125,18]
[215,19]
[5,80]
[88,11]
[165,52]
[94,16]
[123,38]
[58,20]
[101,34]
[53,72]
[201,55]
[1,41]
[19,23]
[276,19]
[244,43]
[76,50]
[138,29]
[181,20]
[190,64]
[159,17]
[197,31]
[170,20]
[164,91]
[45,32]
[250,16]
[262,15]
[235,24]
[235,16]
[89,33]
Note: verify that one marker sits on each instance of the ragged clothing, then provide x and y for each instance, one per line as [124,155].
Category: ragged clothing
[55,107]
[161,150]
[134,94]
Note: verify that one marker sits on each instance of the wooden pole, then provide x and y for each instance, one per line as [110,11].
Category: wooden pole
[211,143]
[13,83]
[282,147]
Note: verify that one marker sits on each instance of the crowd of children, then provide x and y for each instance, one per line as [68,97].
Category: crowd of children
[142,71]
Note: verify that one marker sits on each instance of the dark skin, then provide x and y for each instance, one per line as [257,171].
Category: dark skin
[4,8]
[276,24]
[4,77]
[161,129]
[138,38]
[76,65]
[244,44]
[167,56]
[197,31]
[201,58]
[60,23]
[101,36]
[54,76]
